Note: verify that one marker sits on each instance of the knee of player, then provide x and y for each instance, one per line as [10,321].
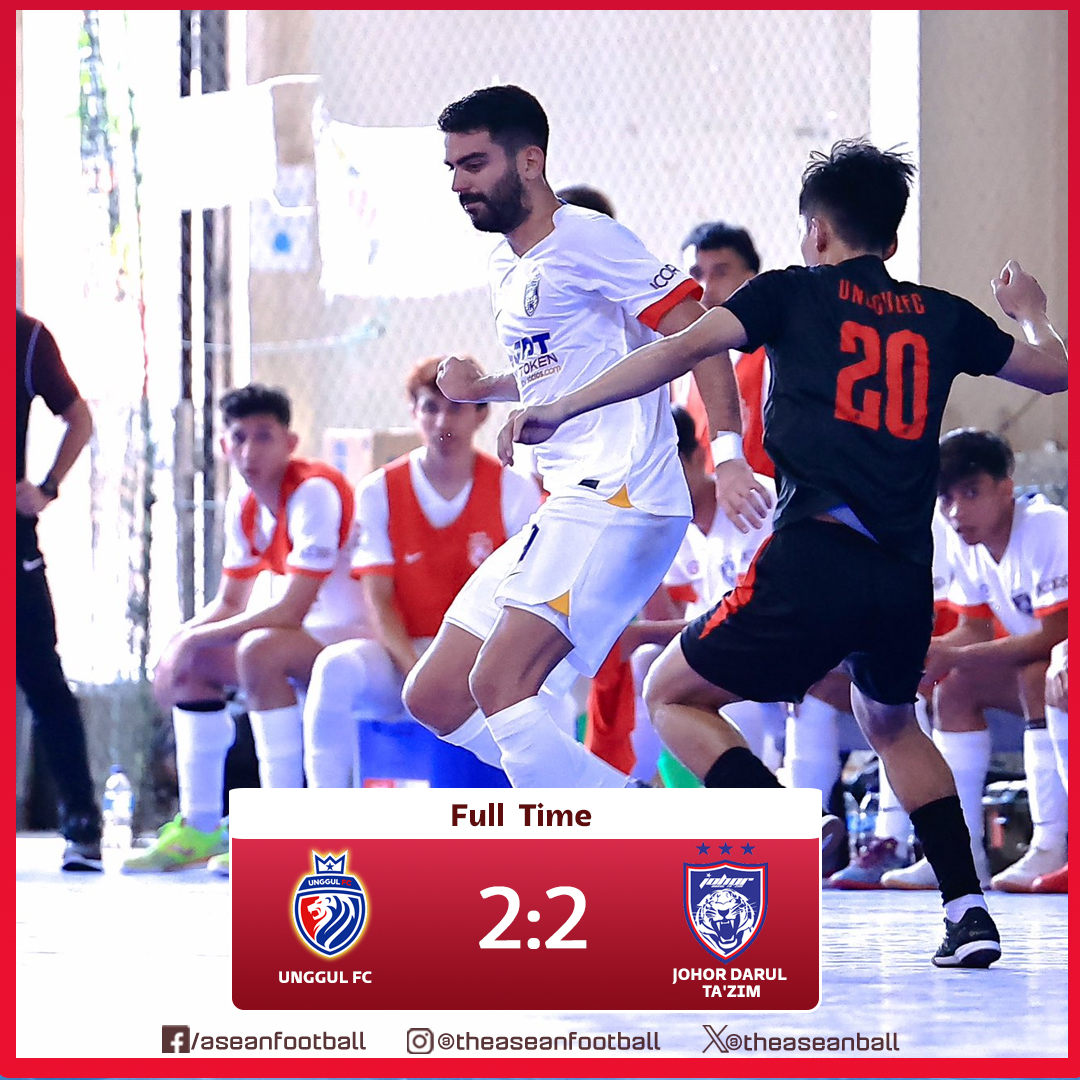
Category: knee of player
[338,670]
[421,698]
[258,653]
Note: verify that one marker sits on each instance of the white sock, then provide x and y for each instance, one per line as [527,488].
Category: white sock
[279,743]
[1057,724]
[643,738]
[475,736]
[967,753]
[956,909]
[892,818]
[1046,794]
[535,753]
[350,681]
[749,718]
[202,742]
[922,715]
[813,747]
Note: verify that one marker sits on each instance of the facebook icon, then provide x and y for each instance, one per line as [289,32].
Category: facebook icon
[175,1039]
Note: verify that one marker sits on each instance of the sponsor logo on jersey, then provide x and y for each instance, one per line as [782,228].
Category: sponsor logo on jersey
[724,904]
[329,906]
[1054,584]
[480,547]
[532,293]
[664,275]
[532,359]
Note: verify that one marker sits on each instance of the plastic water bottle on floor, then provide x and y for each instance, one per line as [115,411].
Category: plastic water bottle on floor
[854,825]
[116,811]
[868,811]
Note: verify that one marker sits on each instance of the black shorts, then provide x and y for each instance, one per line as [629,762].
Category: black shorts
[818,594]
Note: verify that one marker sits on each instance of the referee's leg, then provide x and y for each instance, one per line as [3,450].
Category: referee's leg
[57,722]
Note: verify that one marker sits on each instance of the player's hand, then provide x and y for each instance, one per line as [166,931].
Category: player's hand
[741,496]
[533,424]
[29,499]
[459,378]
[1018,293]
[940,660]
[1057,677]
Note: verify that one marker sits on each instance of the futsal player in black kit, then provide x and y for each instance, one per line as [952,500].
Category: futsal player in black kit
[862,366]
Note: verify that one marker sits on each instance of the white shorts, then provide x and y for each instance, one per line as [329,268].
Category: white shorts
[584,565]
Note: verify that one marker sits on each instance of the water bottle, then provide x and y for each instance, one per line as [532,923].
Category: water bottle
[868,812]
[853,819]
[116,810]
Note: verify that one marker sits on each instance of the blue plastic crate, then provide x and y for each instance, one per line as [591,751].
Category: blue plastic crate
[406,750]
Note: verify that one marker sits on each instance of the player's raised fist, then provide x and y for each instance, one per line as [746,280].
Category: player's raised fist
[459,378]
[1018,293]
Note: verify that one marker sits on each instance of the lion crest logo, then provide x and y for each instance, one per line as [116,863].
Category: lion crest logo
[725,905]
[329,906]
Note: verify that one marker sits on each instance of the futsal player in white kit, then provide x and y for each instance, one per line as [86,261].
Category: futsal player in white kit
[569,287]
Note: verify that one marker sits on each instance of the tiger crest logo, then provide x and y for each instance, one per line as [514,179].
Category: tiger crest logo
[329,906]
[725,905]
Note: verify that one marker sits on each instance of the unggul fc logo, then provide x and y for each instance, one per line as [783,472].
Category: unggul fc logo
[329,906]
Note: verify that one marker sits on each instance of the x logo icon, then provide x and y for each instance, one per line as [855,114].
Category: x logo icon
[714,1038]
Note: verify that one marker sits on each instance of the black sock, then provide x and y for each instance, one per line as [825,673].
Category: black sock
[1036,723]
[202,706]
[738,767]
[946,843]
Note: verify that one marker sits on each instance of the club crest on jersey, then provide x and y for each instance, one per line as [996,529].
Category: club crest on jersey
[724,904]
[329,906]
[532,293]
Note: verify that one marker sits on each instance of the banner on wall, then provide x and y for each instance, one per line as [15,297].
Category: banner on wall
[389,223]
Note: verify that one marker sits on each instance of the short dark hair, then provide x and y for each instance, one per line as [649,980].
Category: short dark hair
[686,430]
[966,452]
[714,235]
[255,399]
[512,116]
[863,191]
[589,197]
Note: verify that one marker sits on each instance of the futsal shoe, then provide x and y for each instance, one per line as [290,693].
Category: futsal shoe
[1057,882]
[865,872]
[973,942]
[219,865]
[920,875]
[832,833]
[81,856]
[1036,863]
[178,847]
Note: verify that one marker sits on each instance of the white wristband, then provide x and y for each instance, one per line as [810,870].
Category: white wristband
[727,446]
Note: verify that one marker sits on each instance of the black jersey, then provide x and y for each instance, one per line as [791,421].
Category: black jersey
[39,372]
[862,366]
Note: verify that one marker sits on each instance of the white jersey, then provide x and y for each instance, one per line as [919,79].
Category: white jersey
[520,500]
[1032,579]
[566,312]
[942,568]
[304,535]
[709,566]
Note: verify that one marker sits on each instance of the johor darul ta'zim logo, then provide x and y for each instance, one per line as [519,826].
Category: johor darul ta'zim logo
[724,904]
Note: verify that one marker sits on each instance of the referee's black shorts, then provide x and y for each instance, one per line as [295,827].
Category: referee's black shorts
[816,595]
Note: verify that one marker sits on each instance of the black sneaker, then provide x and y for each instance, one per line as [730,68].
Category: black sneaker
[81,856]
[832,832]
[972,942]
